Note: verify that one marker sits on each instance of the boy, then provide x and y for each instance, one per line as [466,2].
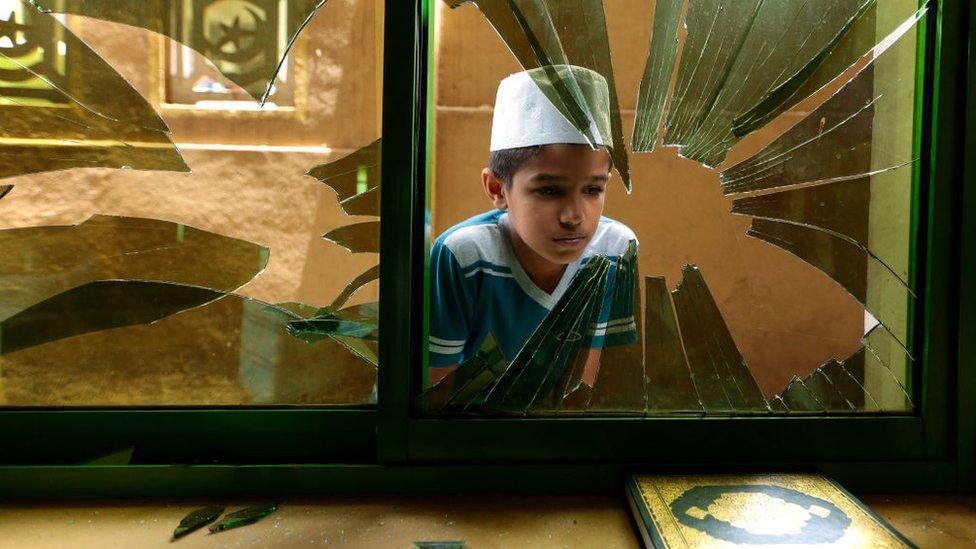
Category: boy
[502,271]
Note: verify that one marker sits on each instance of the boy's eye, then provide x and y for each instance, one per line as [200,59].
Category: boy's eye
[593,190]
[547,191]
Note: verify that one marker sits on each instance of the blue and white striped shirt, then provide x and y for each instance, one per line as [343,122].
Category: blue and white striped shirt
[479,287]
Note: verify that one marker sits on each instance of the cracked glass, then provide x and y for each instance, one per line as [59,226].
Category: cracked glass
[151,260]
[774,202]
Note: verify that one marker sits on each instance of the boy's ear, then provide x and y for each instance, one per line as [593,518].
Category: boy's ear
[494,188]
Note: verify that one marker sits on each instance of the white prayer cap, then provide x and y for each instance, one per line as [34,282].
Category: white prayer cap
[524,116]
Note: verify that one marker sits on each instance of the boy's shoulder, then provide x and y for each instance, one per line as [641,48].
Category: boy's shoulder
[611,238]
[479,238]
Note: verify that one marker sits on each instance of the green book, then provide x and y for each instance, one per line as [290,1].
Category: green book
[777,510]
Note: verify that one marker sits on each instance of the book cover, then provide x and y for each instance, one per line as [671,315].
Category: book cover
[793,510]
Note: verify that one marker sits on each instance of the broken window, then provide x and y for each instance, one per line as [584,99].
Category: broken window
[771,185]
[201,273]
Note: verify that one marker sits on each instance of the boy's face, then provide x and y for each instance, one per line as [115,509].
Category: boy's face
[556,199]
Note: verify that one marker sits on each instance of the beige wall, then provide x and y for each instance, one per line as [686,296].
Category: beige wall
[787,318]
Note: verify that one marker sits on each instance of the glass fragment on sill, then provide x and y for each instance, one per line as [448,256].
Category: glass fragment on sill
[357,237]
[621,382]
[837,140]
[41,262]
[831,208]
[5,190]
[670,387]
[236,350]
[64,107]
[548,33]
[244,517]
[241,39]
[656,79]
[197,519]
[122,456]
[723,380]
[848,264]
[356,179]
[741,69]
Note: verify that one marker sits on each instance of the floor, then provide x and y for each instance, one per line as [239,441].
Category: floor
[482,522]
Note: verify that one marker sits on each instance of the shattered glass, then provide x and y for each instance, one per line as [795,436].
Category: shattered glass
[52,119]
[723,380]
[543,34]
[41,262]
[830,91]
[247,40]
[355,179]
[744,64]
[129,330]
[670,387]
[137,311]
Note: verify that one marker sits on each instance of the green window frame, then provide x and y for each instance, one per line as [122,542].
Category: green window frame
[390,448]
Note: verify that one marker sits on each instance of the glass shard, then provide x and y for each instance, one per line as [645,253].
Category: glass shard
[41,262]
[837,140]
[716,34]
[355,179]
[5,190]
[856,38]
[797,398]
[98,306]
[847,264]
[65,107]
[823,389]
[888,372]
[462,388]
[620,385]
[227,351]
[663,51]
[839,208]
[244,517]
[724,382]
[788,41]
[551,350]
[582,29]
[197,519]
[371,274]
[122,456]
[357,237]
[246,41]
[848,386]
[670,387]
[550,33]
[359,321]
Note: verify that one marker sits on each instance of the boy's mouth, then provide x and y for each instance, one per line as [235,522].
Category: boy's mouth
[570,240]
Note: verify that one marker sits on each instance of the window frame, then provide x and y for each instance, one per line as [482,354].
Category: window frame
[190,451]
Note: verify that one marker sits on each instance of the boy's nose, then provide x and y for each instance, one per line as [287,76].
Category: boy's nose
[572,212]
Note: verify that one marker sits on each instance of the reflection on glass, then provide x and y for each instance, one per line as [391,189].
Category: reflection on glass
[246,40]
